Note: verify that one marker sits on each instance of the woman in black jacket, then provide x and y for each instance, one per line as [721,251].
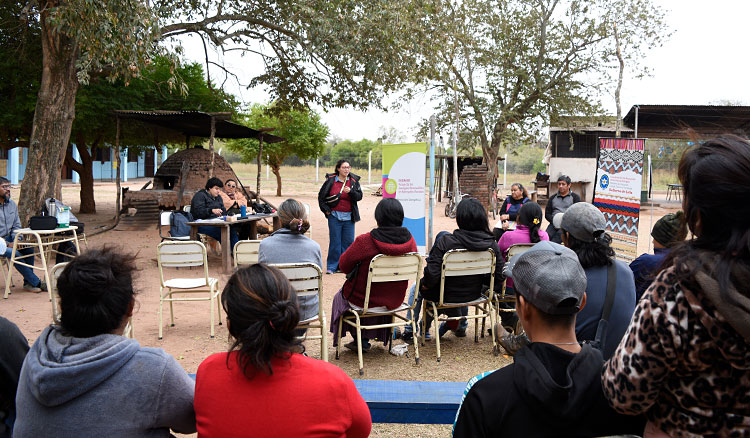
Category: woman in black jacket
[338,199]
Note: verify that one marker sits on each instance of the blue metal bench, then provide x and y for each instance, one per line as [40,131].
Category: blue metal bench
[398,401]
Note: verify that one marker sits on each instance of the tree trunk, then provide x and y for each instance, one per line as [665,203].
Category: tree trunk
[618,122]
[53,119]
[85,170]
[276,169]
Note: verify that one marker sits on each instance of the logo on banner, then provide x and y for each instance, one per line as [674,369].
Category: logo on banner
[390,186]
[604,181]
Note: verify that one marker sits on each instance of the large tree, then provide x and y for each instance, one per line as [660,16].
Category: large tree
[513,64]
[303,132]
[347,52]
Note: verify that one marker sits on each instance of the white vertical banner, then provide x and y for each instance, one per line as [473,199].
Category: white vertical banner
[404,173]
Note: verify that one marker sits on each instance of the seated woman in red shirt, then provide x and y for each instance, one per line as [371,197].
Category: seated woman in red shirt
[389,238]
[263,386]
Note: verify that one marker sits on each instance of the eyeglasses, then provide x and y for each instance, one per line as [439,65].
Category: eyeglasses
[5,186]
[345,167]
[231,186]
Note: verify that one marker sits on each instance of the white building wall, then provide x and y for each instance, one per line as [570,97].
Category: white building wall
[582,171]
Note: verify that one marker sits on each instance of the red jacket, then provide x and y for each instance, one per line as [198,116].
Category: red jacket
[364,248]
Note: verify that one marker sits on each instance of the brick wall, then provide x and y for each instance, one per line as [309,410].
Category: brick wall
[473,180]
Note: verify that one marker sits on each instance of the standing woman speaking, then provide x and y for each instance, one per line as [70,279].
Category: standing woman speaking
[338,201]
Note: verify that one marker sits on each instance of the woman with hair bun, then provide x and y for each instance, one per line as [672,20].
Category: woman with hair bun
[263,386]
[289,244]
[83,378]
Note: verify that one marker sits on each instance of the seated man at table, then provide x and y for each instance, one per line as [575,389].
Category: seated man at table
[207,204]
[9,223]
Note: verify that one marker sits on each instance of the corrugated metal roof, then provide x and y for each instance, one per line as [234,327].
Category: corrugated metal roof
[196,124]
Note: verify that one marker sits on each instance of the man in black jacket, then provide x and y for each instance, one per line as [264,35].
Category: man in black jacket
[207,204]
[473,234]
[554,386]
[559,203]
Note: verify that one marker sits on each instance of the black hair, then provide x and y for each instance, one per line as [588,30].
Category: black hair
[389,213]
[522,188]
[590,254]
[4,180]
[293,216]
[214,182]
[96,292]
[472,216]
[565,178]
[561,321]
[262,314]
[530,211]
[339,163]
[230,179]
[715,177]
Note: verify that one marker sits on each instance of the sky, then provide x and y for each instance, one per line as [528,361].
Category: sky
[703,62]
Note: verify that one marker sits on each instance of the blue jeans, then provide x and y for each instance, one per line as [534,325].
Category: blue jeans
[215,232]
[27,273]
[340,237]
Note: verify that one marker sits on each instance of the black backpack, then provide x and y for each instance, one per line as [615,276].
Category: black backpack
[178,226]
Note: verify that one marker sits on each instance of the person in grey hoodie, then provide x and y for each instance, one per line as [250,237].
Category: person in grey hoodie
[83,379]
[288,244]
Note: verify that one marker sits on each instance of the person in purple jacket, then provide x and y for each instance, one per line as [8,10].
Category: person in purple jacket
[529,222]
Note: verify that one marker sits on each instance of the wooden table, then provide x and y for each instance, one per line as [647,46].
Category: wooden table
[43,242]
[226,247]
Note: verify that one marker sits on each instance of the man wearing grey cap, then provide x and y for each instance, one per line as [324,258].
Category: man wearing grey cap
[553,388]
[582,229]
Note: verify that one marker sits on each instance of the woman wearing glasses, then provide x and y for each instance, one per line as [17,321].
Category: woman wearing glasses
[234,199]
[338,201]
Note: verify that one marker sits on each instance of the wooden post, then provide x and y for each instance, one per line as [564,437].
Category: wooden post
[211,145]
[260,154]
[118,201]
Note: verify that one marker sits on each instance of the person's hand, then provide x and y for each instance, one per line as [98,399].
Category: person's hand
[217,211]
[347,189]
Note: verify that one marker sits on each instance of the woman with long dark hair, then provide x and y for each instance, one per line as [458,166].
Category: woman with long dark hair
[264,386]
[83,378]
[338,199]
[528,230]
[685,358]
[510,208]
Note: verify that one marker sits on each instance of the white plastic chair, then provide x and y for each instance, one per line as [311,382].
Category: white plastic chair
[246,252]
[54,274]
[459,263]
[307,280]
[185,255]
[7,272]
[383,269]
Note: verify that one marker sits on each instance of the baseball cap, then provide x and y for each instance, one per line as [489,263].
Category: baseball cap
[557,220]
[583,221]
[550,277]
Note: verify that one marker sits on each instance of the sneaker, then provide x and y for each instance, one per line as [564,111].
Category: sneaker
[29,287]
[407,336]
[43,286]
[511,343]
[397,333]
[329,272]
[353,346]
[460,333]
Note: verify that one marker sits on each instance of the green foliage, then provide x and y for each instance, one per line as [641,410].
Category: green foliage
[356,152]
[302,130]
[116,37]
[20,73]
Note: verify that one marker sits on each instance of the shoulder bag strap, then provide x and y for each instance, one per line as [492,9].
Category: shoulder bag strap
[609,300]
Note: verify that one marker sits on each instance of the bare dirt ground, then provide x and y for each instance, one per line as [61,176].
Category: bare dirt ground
[189,342]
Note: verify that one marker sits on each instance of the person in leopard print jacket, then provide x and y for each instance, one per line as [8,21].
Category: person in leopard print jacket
[685,358]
